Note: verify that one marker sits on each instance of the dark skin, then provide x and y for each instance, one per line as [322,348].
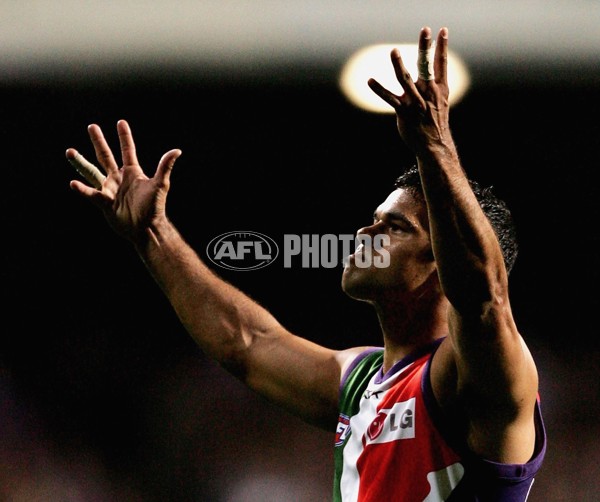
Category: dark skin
[446,278]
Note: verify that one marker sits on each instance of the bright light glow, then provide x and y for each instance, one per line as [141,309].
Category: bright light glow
[374,61]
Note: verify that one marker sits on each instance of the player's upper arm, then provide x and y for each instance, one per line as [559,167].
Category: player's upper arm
[485,376]
[492,361]
[297,374]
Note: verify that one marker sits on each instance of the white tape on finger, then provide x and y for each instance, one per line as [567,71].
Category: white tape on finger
[88,170]
[425,64]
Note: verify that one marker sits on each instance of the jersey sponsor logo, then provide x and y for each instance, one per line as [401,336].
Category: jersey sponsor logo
[376,426]
[343,429]
[397,422]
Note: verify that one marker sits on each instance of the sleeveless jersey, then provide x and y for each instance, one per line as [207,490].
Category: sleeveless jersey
[392,446]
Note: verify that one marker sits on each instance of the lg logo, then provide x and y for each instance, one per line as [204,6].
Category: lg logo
[397,422]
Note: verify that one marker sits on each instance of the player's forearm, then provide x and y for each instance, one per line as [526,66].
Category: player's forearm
[469,258]
[221,319]
[240,334]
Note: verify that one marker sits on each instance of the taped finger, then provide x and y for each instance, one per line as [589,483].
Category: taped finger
[89,171]
[425,63]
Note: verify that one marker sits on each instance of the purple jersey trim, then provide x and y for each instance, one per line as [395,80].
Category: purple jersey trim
[488,479]
[405,361]
[355,363]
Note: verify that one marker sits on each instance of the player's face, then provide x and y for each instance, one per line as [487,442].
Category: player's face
[401,225]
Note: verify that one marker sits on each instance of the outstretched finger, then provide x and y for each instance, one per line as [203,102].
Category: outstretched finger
[441,57]
[389,97]
[96,196]
[128,153]
[403,76]
[86,169]
[103,151]
[165,166]
[425,55]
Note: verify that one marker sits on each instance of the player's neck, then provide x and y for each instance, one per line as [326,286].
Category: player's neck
[406,330]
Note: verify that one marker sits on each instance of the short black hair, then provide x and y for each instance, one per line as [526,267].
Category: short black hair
[494,208]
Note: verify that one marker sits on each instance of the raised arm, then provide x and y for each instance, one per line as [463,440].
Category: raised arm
[297,374]
[484,374]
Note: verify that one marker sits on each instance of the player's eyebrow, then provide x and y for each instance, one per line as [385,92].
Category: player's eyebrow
[394,216]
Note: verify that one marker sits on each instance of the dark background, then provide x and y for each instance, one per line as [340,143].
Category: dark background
[104,396]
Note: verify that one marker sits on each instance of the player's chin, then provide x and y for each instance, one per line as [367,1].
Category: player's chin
[356,282]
